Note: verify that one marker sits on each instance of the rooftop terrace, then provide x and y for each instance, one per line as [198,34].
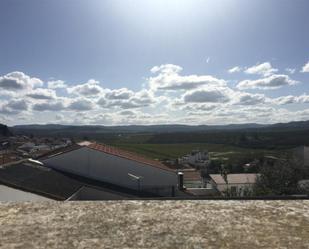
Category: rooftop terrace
[155,224]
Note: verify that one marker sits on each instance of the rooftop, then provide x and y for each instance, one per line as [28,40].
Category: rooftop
[127,154]
[35,178]
[234,178]
[109,150]
[191,175]
[155,224]
[59,151]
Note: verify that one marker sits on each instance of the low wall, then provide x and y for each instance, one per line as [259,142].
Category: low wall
[155,224]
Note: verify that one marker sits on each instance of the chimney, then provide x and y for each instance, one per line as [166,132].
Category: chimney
[180,181]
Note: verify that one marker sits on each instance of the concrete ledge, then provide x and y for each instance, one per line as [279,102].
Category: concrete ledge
[155,224]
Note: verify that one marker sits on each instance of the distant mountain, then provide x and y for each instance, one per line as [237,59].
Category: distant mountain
[291,125]
[168,128]
[4,131]
[51,128]
[86,130]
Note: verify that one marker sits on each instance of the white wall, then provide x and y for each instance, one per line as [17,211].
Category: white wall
[306,155]
[240,188]
[302,153]
[16,195]
[113,169]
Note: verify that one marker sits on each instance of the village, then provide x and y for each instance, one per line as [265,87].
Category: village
[33,168]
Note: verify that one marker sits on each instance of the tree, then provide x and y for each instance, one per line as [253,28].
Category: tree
[4,131]
[214,167]
[280,177]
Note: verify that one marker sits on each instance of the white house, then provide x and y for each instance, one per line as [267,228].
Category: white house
[234,184]
[196,158]
[302,153]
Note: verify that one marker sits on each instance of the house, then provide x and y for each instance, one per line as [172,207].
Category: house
[27,147]
[30,180]
[4,145]
[233,184]
[302,153]
[192,178]
[7,157]
[198,159]
[115,166]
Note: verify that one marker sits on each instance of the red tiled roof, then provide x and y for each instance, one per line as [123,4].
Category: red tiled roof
[128,155]
[191,175]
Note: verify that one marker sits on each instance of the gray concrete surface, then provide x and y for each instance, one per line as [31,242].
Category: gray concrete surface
[155,224]
[12,194]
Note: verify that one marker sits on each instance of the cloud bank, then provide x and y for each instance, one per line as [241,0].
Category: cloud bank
[168,96]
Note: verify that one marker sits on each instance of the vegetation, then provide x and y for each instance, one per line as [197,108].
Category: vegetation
[218,151]
[229,150]
[278,136]
[4,131]
[280,177]
[249,139]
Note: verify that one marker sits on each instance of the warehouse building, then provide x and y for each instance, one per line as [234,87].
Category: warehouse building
[30,180]
[115,166]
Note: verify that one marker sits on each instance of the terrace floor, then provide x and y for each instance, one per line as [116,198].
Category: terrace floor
[155,224]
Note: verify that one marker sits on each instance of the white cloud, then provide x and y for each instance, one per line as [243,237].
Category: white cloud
[169,79]
[42,93]
[55,84]
[290,70]
[169,97]
[143,98]
[13,107]
[18,81]
[127,113]
[90,88]
[49,106]
[196,107]
[235,69]
[305,68]
[81,104]
[126,99]
[290,99]
[250,99]
[60,117]
[20,105]
[122,93]
[265,69]
[206,95]
[166,69]
[271,82]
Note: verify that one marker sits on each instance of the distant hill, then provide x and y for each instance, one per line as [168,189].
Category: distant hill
[168,128]
[291,125]
[281,135]
[56,128]
[4,131]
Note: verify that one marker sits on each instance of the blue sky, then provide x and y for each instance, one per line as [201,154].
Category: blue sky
[108,48]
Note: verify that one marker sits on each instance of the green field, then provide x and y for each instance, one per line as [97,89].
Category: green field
[218,151]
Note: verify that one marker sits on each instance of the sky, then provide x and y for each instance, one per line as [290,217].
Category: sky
[122,62]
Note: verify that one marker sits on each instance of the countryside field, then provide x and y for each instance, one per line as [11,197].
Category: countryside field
[228,153]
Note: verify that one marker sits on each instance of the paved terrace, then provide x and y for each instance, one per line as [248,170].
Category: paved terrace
[155,224]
